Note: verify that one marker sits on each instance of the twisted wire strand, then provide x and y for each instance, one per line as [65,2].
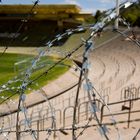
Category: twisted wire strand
[135,137]
[53,116]
[85,127]
[112,116]
[25,83]
[56,95]
[137,42]
[68,33]
[9,112]
[98,26]
[95,115]
[42,53]
[85,74]
[22,92]
[2,126]
[89,84]
[26,78]
[37,78]
[76,104]
[134,38]
[27,122]
[64,129]
[80,76]
[109,16]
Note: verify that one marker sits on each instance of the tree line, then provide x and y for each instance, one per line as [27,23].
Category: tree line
[132,15]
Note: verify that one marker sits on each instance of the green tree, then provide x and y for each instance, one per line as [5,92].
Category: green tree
[90,20]
[97,15]
[132,14]
[131,18]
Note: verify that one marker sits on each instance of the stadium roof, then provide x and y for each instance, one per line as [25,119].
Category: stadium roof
[41,8]
[51,12]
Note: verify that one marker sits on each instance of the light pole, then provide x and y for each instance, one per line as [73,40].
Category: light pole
[117,12]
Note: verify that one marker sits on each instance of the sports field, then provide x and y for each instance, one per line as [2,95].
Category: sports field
[13,66]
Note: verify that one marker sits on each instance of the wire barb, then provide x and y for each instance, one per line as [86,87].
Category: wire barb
[88,43]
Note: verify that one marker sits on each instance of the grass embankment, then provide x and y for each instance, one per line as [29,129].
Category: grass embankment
[7,71]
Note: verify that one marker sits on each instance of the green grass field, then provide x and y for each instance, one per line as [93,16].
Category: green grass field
[7,71]
[7,65]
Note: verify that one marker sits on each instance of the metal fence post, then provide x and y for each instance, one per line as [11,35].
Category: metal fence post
[129,114]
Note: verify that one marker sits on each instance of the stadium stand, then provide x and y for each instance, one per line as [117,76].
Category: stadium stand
[38,26]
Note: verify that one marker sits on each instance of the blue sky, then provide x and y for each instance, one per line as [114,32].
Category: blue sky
[86,5]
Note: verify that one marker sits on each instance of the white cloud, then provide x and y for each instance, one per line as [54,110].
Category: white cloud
[88,10]
[72,2]
[92,10]
[102,1]
[106,1]
[93,6]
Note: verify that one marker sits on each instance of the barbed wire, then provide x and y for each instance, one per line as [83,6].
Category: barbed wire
[99,26]
[70,31]
[68,128]
[137,42]
[135,137]
[84,128]
[85,70]
[53,115]
[133,38]
[26,82]
[61,36]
